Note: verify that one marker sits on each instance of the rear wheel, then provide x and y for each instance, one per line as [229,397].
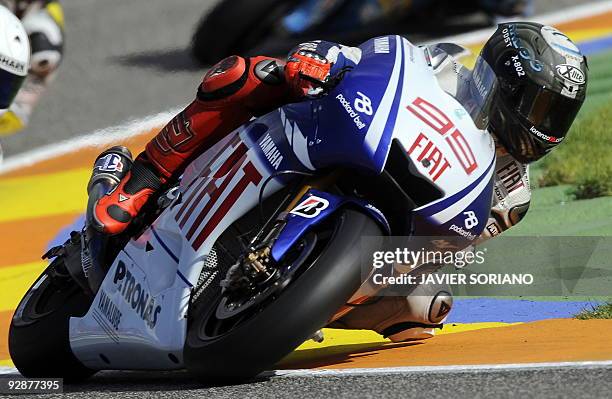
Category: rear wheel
[39,333]
[231,340]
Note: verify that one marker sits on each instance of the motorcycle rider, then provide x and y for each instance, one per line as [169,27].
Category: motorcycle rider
[44,23]
[527,86]
[14,59]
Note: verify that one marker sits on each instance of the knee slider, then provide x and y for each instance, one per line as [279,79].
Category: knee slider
[439,307]
[428,304]
[425,310]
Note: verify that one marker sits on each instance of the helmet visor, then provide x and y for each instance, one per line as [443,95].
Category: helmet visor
[477,91]
[550,113]
[9,86]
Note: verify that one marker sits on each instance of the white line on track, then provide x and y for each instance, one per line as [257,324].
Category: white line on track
[8,370]
[438,369]
[98,138]
[483,368]
[138,126]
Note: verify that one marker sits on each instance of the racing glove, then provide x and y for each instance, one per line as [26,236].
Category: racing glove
[307,73]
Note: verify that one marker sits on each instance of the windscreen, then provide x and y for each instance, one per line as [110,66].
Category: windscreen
[476,92]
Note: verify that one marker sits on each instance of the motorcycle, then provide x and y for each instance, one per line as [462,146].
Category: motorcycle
[293,21]
[259,245]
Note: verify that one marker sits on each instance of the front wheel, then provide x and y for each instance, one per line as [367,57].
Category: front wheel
[247,344]
[39,333]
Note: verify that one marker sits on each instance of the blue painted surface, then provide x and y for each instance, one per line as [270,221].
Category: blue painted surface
[590,47]
[336,140]
[296,225]
[478,310]
[62,235]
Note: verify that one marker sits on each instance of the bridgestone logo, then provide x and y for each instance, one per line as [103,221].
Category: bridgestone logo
[12,65]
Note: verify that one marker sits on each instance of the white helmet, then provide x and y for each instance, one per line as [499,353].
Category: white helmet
[14,56]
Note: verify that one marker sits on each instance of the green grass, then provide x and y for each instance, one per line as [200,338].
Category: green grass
[584,160]
[553,212]
[603,311]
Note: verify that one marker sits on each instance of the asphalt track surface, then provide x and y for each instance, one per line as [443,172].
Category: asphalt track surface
[582,382]
[127,59]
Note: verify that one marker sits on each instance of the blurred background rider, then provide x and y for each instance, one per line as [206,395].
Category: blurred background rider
[14,59]
[43,21]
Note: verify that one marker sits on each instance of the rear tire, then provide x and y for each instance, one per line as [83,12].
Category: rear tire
[39,341]
[303,307]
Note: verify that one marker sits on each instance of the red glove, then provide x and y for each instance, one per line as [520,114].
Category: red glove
[306,73]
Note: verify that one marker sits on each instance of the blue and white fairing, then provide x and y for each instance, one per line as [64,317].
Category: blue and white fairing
[444,145]
[393,94]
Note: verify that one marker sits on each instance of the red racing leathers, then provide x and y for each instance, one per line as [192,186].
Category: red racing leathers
[231,93]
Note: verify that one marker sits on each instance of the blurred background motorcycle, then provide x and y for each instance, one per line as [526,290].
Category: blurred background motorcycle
[246,26]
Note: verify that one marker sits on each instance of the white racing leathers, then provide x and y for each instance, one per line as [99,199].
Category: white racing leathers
[415,315]
[511,195]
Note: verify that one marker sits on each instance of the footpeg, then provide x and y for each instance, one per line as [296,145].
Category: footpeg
[318,336]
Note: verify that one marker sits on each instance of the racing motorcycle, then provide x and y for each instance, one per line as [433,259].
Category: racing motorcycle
[259,245]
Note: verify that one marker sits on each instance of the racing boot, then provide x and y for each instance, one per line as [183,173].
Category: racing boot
[109,168]
[402,317]
[114,212]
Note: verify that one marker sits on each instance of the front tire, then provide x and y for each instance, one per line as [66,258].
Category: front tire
[39,341]
[304,306]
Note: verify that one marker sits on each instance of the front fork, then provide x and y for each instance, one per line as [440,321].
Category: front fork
[257,263]
[312,204]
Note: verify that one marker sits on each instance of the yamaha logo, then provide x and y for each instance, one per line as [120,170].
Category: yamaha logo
[571,73]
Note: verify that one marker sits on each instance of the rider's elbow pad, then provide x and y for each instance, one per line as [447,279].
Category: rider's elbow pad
[257,83]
